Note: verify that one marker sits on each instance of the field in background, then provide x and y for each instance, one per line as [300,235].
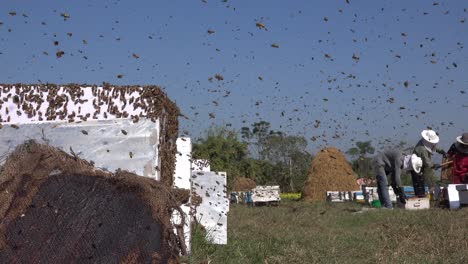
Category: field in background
[299,232]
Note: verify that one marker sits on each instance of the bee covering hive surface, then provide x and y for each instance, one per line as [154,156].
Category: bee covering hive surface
[88,120]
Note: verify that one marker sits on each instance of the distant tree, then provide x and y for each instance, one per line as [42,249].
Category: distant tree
[261,171]
[287,154]
[365,147]
[362,164]
[299,168]
[290,157]
[224,150]
[353,152]
[266,156]
[257,138]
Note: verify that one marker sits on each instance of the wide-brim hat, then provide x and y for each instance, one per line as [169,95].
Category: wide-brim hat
[416,163]
[463,139]
[430,136]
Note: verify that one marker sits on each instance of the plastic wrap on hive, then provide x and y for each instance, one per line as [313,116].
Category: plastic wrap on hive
[110,144]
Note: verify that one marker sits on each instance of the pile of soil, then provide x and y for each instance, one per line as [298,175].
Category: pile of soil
[57,208]
[242,184]
[329,171]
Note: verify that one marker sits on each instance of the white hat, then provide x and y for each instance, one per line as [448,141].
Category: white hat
[416,163]
[430,136]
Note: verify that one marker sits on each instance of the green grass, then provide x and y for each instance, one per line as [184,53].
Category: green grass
[299,232]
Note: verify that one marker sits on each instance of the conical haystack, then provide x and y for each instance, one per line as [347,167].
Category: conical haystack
[242,184]
[329,171]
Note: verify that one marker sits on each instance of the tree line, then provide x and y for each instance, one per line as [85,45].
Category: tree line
[272,157]
[257,152]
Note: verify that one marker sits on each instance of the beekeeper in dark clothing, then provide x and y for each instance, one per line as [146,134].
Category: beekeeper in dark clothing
[388,166]
[458,152]
[425,149]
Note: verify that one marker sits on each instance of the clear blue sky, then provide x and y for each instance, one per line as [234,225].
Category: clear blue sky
[396,41]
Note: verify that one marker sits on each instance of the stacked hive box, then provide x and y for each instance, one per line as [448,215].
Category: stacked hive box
[128,127]
[131,130]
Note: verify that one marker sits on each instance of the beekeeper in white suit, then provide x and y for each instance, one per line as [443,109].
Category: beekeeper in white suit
[425,149]
[388,166]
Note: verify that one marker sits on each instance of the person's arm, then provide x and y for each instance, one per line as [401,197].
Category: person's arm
[441,152]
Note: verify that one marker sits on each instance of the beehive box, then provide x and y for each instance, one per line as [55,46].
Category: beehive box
[182,174]
[453,192]
[417,203]
[266,194]
[131,128]
[111,128]
[335,196]
[212,205]
[463,194]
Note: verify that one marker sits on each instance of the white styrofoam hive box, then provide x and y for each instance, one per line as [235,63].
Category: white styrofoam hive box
[213,210]
[183,169]
[266,194]
[201,165]
[375,196]
[453,195]
[114,127]
[417,203]
[182,174]
[336,196]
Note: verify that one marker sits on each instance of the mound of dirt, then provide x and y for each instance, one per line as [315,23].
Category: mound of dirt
[242,184]
[57,208]
[329,171]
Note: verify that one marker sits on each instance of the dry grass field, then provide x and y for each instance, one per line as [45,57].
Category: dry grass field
[300,232]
